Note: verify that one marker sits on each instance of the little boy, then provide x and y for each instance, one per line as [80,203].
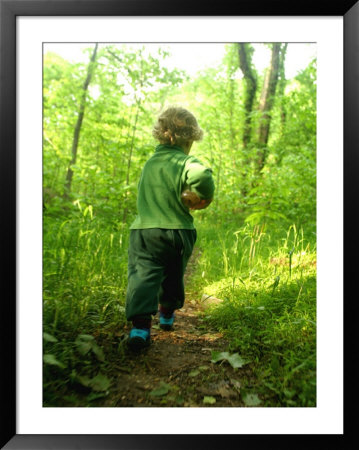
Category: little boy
[163,235]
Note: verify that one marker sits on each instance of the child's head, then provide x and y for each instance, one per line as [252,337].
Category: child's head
[177,126]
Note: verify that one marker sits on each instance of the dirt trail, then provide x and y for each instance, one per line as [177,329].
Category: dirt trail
[176,370]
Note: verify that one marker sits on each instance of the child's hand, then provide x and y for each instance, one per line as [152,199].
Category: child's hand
[192,201]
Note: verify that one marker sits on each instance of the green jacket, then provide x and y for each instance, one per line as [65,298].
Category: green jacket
[164,177]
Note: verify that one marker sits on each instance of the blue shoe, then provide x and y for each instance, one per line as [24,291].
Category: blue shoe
[139,339]
[166,323]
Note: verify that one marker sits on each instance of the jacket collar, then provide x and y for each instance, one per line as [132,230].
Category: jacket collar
[168,147]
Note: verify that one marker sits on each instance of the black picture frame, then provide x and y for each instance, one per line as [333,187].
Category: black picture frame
[9,10]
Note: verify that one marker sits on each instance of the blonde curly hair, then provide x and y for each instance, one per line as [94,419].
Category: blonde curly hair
[177,126]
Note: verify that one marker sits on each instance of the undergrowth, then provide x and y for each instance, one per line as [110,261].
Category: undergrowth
[266,281]
[84,285]
[265,278]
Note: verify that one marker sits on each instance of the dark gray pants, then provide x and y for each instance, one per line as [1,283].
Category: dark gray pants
[157,259]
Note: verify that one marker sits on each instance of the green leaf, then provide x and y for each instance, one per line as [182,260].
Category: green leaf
[219,356]
[252,400]
[85,343]
[98,352]
[234,360]
[85,337]
[161,389]
[194,373]
[100,383]
[83,379]
[209,400]
[95,396]
[275,363]
[180,400]
[83,347]
[289,393]
[49,338]
[51,360]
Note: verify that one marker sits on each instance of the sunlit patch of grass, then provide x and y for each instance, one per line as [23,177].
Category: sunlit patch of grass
[268,308]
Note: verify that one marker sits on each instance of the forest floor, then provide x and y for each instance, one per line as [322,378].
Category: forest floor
[176,370]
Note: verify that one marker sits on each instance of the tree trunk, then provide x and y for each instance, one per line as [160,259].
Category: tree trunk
[281,85]
[129,160]
[245,64]
[280,93]
[245,52]
[266,105]
[232,131]
[78,125]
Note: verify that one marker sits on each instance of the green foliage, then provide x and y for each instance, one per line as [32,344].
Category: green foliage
[115,137]
[234,360]
[257,239]
[268,308]
[83,257]
[209,400]
[160,390]
[252,400]
[286,190]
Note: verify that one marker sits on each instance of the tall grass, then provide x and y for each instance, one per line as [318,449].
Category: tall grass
[84,272]
[266,279]
[84,285]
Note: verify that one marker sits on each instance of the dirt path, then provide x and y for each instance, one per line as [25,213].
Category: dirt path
[176,370]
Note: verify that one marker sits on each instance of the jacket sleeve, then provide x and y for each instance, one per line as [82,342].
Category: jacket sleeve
[198,178]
